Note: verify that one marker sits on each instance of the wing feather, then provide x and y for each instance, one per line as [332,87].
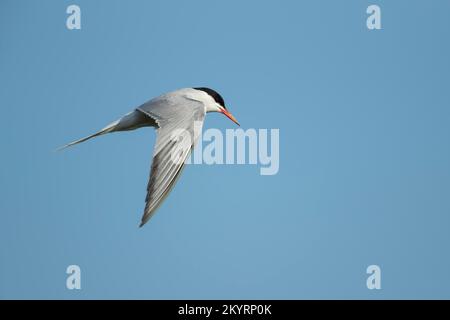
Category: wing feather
[179,121]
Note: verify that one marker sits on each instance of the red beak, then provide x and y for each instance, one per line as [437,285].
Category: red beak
[229,115]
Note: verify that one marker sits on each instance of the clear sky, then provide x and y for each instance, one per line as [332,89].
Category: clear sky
[364,150]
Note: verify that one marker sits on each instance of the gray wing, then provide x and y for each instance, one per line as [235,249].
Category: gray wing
[180,122]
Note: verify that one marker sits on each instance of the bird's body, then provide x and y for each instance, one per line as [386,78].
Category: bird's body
[178,118]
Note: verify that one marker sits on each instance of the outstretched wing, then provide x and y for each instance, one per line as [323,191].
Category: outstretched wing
[180,122]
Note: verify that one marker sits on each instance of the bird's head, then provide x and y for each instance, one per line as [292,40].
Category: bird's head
[218,104]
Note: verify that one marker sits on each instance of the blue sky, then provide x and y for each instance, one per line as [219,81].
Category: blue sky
[364,155]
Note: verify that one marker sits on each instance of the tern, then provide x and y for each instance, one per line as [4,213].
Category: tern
[182,110]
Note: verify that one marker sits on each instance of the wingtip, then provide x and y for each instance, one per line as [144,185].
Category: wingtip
[144,220]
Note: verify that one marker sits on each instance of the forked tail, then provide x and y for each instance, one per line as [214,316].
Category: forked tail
[107,129]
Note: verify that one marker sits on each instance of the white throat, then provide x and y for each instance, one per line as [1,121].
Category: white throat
[210,104]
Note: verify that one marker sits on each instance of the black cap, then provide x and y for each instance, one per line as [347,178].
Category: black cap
[214,94]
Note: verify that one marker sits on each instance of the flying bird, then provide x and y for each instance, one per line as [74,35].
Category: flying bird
[180,111]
